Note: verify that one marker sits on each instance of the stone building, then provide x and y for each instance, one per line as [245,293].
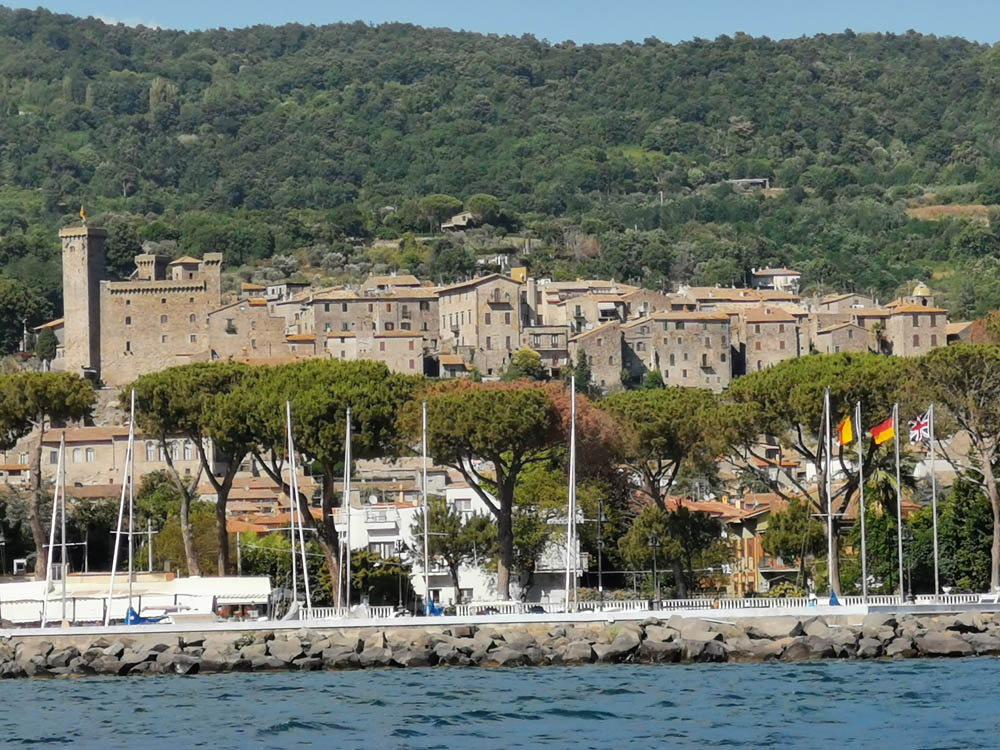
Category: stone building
[784,279]
[481,321]
[551,343]
[246,330]
[688,348]
[402,351]
[845,337]
[603,348]
[766,336]
[118,330]
[913,329]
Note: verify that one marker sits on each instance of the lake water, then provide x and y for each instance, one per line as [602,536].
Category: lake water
[897,705]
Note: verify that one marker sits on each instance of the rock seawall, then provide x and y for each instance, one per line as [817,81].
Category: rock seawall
[676,639]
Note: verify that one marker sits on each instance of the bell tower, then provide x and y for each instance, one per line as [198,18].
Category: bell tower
[83,267]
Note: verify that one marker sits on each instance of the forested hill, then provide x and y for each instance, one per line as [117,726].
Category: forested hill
[265,141]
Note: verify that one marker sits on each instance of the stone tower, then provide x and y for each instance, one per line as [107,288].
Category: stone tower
[83,268]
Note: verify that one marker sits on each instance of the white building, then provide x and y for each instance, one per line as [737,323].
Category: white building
[386,528]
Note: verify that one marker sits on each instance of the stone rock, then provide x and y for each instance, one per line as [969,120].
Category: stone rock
[536,656]
[869,648]
[504,657]
[254,651]
[63,656]
[775,627]
[879,621]
[463,631]
[447,654]
[880,634]
[649,621]
[900,647]
[712,651]
[557,631]
[620,649]
[817,626]
[410,658]
[109,665]
[219,661]
[166,657]
[288,651]
[342,640]
[797,650]
[308,663]
[942,644]
[375,657]
[374,641]
[101,643]
[318,646]
[186,664]
[661,633]
[968,622]
[984,644]
[657,652]
[820,648]
[116,649]
[192,641]
[694,627]
[266,663]
[691,650]
[577,652]
[483,641]
[132,657]
[340,658]
[519,639]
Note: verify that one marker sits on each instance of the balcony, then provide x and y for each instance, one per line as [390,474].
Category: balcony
[385,519]
[498,297]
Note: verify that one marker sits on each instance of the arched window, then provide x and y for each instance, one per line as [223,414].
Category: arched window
[150,450]
[90,455]
[163,319]
[192,318]
[76,455]
[175,450]
[128,320]
[188,450]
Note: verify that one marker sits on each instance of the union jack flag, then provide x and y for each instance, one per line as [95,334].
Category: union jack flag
[920,429]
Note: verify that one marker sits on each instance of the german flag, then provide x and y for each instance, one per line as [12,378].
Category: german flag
[845,432]
[883,431]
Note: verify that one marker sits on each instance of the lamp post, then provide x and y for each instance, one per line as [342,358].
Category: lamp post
[654,543]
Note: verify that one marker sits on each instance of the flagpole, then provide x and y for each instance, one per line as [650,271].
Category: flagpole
[899,501]
[861,502]
[829,491]
[930,420]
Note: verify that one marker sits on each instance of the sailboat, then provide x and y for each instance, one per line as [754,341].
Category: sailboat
[58,516]
[296,521]
[571,556]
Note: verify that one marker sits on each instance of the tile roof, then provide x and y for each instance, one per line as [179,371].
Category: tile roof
[776,272]
[184,260]
[910,309]
[300,337]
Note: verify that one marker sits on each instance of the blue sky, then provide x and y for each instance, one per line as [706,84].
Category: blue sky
[579,20]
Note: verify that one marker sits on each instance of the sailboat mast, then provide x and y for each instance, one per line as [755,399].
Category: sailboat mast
[121,511]
[50,554]
[291,500]
[829,489]
[131,503]
[427,558]
[571,495]
[347,506]
[299,519]
[61,470]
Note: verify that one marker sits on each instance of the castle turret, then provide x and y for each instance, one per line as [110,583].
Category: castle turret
[83,269]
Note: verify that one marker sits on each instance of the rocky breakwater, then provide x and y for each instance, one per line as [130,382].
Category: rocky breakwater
[677,639]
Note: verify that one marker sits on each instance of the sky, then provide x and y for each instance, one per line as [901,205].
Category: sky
[582,21]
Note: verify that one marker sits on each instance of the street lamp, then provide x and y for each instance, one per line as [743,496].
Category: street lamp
[654,542]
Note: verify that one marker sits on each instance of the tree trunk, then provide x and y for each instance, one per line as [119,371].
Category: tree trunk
[991,490]
[505,544]
[454,582]
[679,582]
[35,507]
[187,537]
[222,533]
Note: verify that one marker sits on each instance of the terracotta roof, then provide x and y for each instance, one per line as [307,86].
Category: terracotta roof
[451,360]
[838,297]
[768,315]
[14,467]
[246,286]
[404,279]
[341,335]
[239,526]
[838,327]
[685,315]
[958,328]
[909,309]
[300,337]
[399,335]
[335,295]
[184,261]
[868,312]
[258,302]
[601,329]
[51,324]
[477,281]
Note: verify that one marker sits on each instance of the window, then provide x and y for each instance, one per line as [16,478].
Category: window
[781,327]
[192,318]
[425,306]
[759,365]
[191,300]
[708,342]
[489,342]
[600,341]
[640,346]
[916,321]
[679,326]
[381,346]
[916,340]
[76,455]
[188,450]
[684,373]
[611,360]
[487,318]
[327,327]
[371,307]
[411,364]
[704,326]
[128,320]
[536,340]
[405,325]
[781,344]
[722,357]
[163,338]
[90,455]
[53,457]
[389,327]
[836,349]
[343,307]
[193,338]
[411,345]
[388,307]
[128,302]
[672,360]
[163,320]
[382,549]
[704,360]
[933,339]
[643,330]
[579,311]
[128,346]
[756,328]
[850,334]
[508,342]
[756,345]
[150,450]
[326,307]
[423,326]
[554,340]
[163,300]
[506,318]
[680,341]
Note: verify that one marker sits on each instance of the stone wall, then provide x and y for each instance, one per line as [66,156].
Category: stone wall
[676,639]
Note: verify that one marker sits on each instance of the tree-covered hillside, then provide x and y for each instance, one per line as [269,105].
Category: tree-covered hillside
[298,141]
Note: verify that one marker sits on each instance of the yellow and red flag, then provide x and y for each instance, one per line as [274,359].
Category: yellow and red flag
[845,432]
[883,431]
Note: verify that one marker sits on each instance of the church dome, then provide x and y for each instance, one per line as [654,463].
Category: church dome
[921,290]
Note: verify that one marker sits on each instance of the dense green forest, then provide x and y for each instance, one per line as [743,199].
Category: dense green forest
[289,148]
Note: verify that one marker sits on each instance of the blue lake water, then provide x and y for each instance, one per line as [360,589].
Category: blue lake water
[896,705]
